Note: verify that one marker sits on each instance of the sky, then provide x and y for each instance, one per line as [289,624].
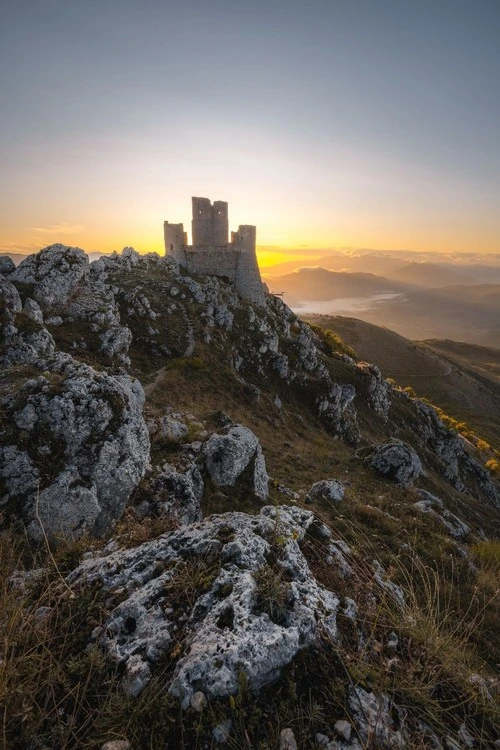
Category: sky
[327,123]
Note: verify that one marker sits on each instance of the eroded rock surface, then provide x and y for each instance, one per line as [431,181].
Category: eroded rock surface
[200,587]
[75,445]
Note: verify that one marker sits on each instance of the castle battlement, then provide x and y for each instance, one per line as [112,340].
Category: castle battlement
[211,253]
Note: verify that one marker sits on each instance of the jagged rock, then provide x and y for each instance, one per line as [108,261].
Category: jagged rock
[225,630]
[380,576]
[398,461]
[9,298]
[465,737]
[7,265]
[230,455]
[431,504]
[33,311]
[457,466]
[337,412]
[326,489]
[391,644]
[85,448]
[55,272]
[23,337]
[378,389]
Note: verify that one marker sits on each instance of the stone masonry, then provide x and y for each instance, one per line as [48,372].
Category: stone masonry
[212,254]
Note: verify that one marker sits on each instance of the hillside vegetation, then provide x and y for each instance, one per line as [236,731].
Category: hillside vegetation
[220,529]
[463,379]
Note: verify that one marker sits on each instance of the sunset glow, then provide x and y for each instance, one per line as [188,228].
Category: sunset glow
[319,146]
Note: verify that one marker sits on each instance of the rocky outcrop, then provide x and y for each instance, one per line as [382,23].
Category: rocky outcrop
[233,455]
[7,265]
[455,462]
[376,388]
[211,589]
[23,336]
[54,274]
[337,411]
[398,461]
[75,445]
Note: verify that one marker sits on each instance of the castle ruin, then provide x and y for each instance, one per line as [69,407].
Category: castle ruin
[211,253]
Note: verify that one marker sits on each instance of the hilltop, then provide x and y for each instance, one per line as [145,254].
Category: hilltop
[219,528]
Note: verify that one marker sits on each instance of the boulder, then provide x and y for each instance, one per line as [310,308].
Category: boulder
[398,461]
[54,273]
[327,489]
[75,447]
[233,454]
[7,265]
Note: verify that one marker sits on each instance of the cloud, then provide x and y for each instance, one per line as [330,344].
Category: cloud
[62,228]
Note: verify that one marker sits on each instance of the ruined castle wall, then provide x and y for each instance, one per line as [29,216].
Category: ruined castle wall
[210,260]
[247,279]
[202,224]
[174,236]
[236,264]
[220,223]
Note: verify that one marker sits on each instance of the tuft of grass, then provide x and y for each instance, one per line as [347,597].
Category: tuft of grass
[272,593]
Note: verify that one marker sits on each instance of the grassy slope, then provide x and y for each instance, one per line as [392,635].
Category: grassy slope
[450,610]
[463,379]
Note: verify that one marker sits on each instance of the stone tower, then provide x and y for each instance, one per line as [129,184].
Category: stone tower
[210,223]
[212,254]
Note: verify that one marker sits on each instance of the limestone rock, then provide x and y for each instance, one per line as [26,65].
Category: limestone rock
[55,272]
[378,389]
[225,629]
[326,489]
[23,337]
[456,465]
[235,452]
[398,461]
[85,448]
[7,265]
[336,410]
[177,494]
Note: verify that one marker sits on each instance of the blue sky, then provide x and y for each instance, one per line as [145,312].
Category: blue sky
[329,122]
